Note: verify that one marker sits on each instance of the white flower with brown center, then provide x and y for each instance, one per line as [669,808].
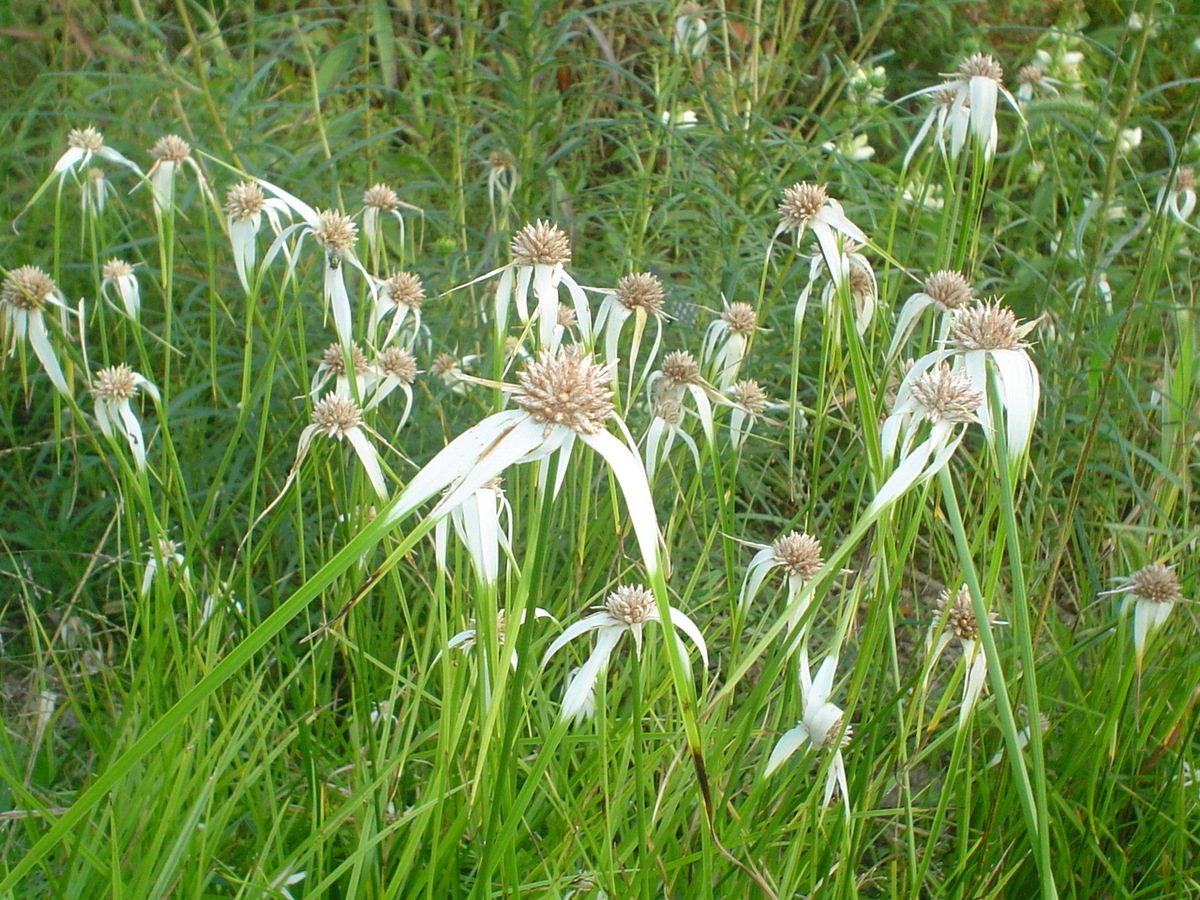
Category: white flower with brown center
[482,522]
[1153,591]
[469,636]
[333,365]
[401,295]
[665,426]
[860,283]
[339,417]
[563,397]
[118,274]
[749,401]
[975,90]
[245,205]
[170,152]
[395,368]
[822,726]
[946,291]
[639,297]
[956,619]
[726,341]
[113,389]
[1178,195]
[679,374]
[948,114]
[799,556]
[380,200]
[25,293]
[627,609]
[806,206]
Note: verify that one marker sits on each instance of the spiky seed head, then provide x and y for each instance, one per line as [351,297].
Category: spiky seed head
[382,197]
[1185,179]
[680,367]
[566,316]
[988,326]
[839,734]
[861,284]
[739,318]
[949,289]
[798,554]
[669,410]
[443,366]
[1030,75]
[336,415]
[171,148]
[114,269]
[959,612]
[540,244]
[801,202]
[88,139]
[630,604]
[244,201]
[114,384]
[26,287]
[981,65]
[336,231]
[405,289]
[1155,582]
[750,396]
[641,291]
[398,363]
[333,360]
[944,97]
[946,394]
[566,388]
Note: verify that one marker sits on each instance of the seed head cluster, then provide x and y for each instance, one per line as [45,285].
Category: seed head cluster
[630,604]
[540,244]
[981,65]
[949,289]
[114,269]
[799,554]
[960,613]
[244,200]
[1185,179]
[988,326]
[801,202]
[26,287]
[946,394]
[566,388]
[114,384]
[680,367]
[750,396]
[836,738]
[171,148]
[405,289]
[336,415]
[740,319]
[641,291]
[1030,75]
[1155,582]
[669,410]
[380,196]
[398,363]
[333,360]
[336,231]
[85,139]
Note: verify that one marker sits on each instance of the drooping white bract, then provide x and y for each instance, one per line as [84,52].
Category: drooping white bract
[957,616]
[640,297]
[467,638]
[749,400]
[118,275]
[400,295]
[170,152]
[806,206]
[1153,591]
[1178,195]
[26,290]
[944,290]
[245,205]
[339,417]
[860,278]
[482,522]
[113,389]
[798,555]
[726,341]
[665,426]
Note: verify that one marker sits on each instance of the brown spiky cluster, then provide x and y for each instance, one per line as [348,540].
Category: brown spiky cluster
[750,396]
[799,554]
[380,196]
[244,201]
[501,161]
[801,202]
[1030,75]
[946,394]
[398,363]
[443,366]
[630,604]
[114,269]
[566,316]
[1155,582]
[944,97]
[540,244]
[333,360]
[981,65]
[26,287]
[171,148]
[949,289]
[85,139]
[988,326]
[641,291]
[566,388]
[405,289]
[960,613]
[680,367]
[861,283]
[1185,179]
[669,410]
[835,737]
[740,319]
[336,231]
[336,415]
[116,383]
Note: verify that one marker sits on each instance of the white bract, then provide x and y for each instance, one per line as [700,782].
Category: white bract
[957,617]
[245,205]
[1152,591]
[478,524]
[339,417]
[966,105]
[944,290]
[726,342]
[860,281]
[665,427]
[113,389]
[118,275]
[467,638]
[170,152]
[1178,195]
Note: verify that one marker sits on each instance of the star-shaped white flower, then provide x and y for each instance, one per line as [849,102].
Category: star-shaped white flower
[1153,591]
[806,206]
[113,389]
[26,291]
[798,555]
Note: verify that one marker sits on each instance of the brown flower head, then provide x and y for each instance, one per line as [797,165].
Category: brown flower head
[750,396]
[1030,75]
[398,363]
[540,244]
[988,326]
[981,65]
[1156,583]
[680,367]
[948,289]
[26,288]
[333,360]
[244,201]
[740,319]
[1185,179]
[959,613]
[337,231]
[630,604]
[171,148]
[946,394]
[801,202]
[641,291]
[114,269]
[381,197]
[88,139]
[114,384]
[798,554]
[336,415]
[566,388]
[405,289]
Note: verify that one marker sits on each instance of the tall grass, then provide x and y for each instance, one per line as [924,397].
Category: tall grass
[241,669]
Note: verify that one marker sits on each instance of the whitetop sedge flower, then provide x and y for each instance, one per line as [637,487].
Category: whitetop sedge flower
[333,365]
[798,555]
[822,726]
[944,290]
[942,396]
[806,206]
[1178,195]
[467,638]
[690,35]
[726,341]
[678,374]
[400,295]
[502,180]
[966,106]
[627,608]
[118,275]
[540,253]
[1032,80]
[665,426]
[1153,591]
[82,145]
[94,191]
[395,369]
[339,417]
[640,297]
[113,389]
[245,205]
[859,280]
[380,200]
[164,554]
[482,522]
[957,617]
[26,291]
[562,398]
[951,118]
[854,147]
[749,400]
[170,152]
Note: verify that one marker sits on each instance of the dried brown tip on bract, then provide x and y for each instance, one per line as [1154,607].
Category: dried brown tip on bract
[244,200]
[540,244]
[680,367]
[335,362]
[981,65]
[336,415]
[988,326]
[380,196]
[946,394]
[1155,582]
[949,289]
[801,202]
[641,291]
[799,554]
[405,289]
[398,363]
[114,269]
[1030,75]
[26,287]
[85,139]
[115,383]
[336,231]
[960,614]
[171,148]
[566,388]
[740,318]
[630,604]
[750,396]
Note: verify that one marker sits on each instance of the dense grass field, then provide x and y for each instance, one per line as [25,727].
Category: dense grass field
[617,450]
